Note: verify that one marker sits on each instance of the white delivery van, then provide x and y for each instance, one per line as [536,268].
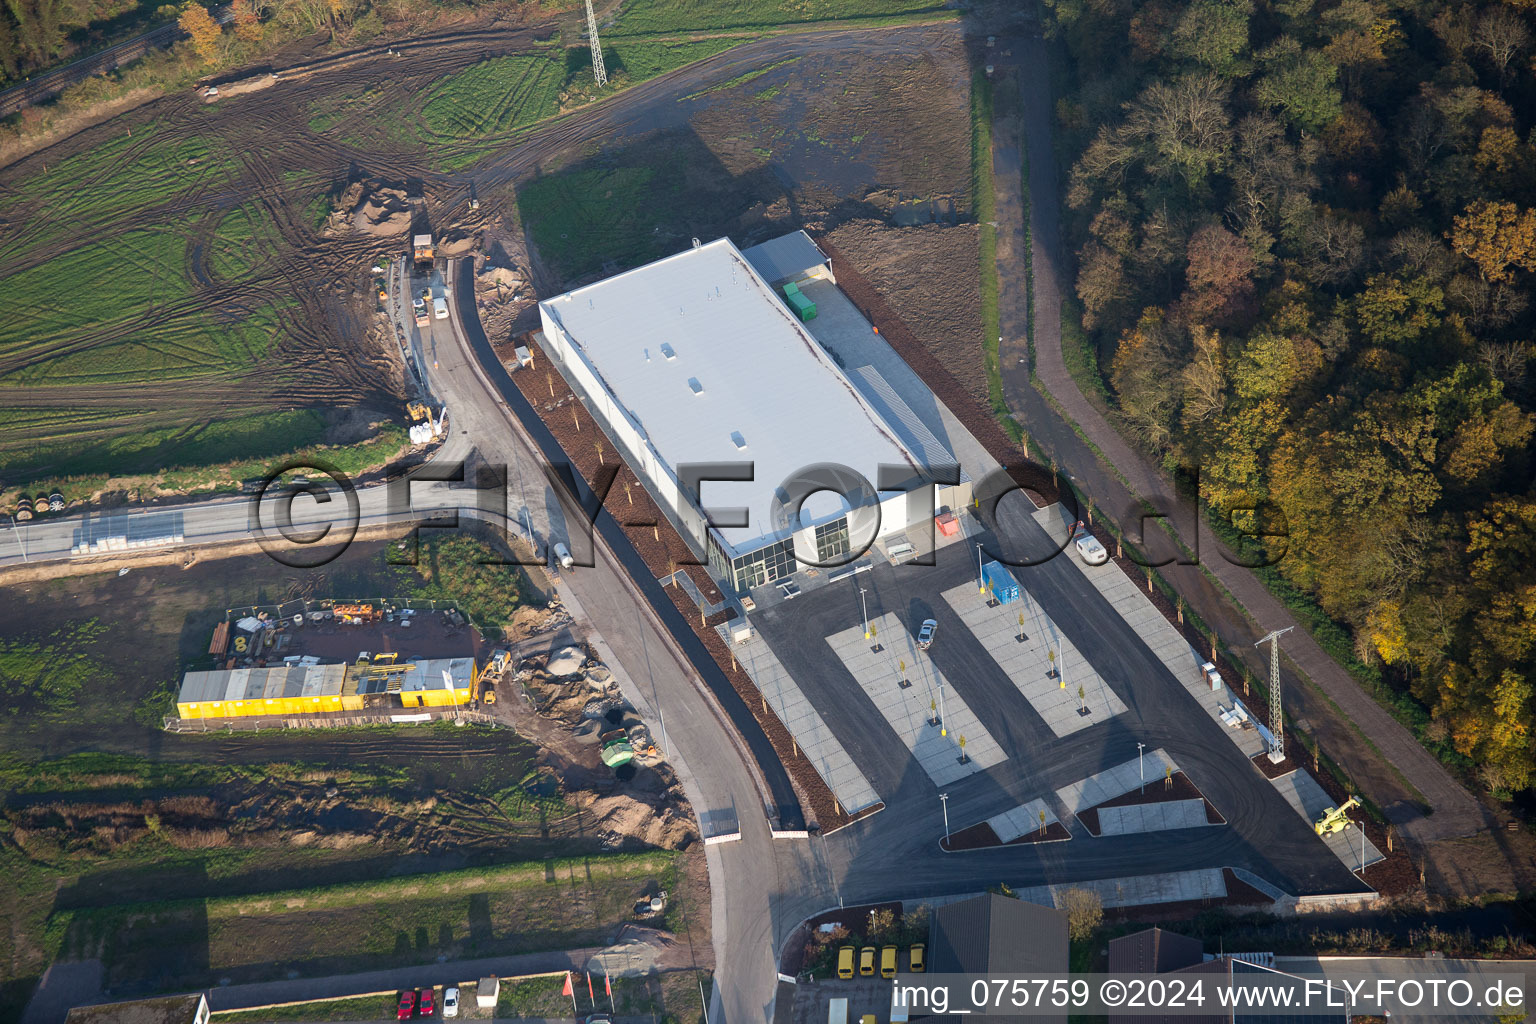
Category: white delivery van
[440,309]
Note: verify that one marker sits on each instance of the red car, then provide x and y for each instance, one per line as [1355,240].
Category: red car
[424,1002]
[407,1005]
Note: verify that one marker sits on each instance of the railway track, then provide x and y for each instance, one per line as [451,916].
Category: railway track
[48,84]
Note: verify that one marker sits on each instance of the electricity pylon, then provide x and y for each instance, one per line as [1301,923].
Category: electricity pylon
[1276,711]
[599,73]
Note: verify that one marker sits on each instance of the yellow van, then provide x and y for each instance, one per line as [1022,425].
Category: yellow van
[845,962]
[888,962]
[915,963]
[867,961]
[868,1018]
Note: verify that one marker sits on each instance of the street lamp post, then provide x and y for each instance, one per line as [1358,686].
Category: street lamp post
[1141,765]
[944,802]
[981,576]
[943,717]
[864,609]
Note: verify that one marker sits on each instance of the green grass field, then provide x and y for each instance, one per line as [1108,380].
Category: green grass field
[472,113]
[655,16]
[489,911]
[126,174]
[123,311]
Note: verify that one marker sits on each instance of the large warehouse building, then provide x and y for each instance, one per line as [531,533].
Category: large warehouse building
[697,360]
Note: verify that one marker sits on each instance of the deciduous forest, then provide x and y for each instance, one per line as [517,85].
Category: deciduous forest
[1304,244]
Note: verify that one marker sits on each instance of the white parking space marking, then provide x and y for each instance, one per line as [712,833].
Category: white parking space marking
[816,741]
[1119,821]
[1133,605]
[1028,662]
[910,709]
[1117,781]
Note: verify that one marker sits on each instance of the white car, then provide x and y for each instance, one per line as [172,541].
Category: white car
[1090,550]
[450,1002]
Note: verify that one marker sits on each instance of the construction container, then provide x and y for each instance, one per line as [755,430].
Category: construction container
[438,683]
[804,308]
[1000,582]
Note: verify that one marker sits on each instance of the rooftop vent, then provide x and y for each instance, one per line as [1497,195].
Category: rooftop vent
[668,351]
[737,439]
[695,386]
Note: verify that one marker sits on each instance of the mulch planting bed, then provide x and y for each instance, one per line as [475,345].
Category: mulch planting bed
[664,552]
[1159,791]
[982,837]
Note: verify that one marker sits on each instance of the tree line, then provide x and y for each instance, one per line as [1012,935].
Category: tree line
[1305,244]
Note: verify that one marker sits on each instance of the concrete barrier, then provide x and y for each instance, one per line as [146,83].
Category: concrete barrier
[728,837]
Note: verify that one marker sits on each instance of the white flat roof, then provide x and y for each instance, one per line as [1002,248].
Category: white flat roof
[702,352]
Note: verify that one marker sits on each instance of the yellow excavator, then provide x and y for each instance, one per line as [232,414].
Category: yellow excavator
[417,411]
[1335,819]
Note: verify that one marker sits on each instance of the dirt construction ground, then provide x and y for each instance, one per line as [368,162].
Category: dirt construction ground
[200,273]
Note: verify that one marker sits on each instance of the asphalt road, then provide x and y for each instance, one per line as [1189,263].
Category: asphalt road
[762,887]
[1264,834]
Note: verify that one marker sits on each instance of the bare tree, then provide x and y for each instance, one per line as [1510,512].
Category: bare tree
[1502,36]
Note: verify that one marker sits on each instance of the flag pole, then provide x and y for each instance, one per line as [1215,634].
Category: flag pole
[608,984]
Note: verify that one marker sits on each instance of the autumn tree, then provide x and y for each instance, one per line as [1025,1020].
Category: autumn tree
[1183,126]
[1218,278]
[1300,83]
[205,32]
[1497,236]
[247,20]
[1214,34]
[1084,910]
[1145,377]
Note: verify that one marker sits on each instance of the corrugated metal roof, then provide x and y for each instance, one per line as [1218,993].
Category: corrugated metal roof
[997,935]
[764,377]
[428,674]
[1152,951]
[899,415]
[787,256]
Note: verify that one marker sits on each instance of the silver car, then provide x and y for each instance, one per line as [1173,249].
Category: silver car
[925,634]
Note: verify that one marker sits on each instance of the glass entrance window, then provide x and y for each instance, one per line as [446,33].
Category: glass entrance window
[832,541]
[765,565]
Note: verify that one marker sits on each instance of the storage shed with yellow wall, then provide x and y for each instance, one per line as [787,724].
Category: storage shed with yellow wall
[438,682]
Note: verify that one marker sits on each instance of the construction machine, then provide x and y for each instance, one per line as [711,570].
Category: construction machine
[495,669]
[1335,819]
[417,411]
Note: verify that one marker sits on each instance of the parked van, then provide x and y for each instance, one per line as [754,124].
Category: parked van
[440,309]
[867,962]
[845,962]
[888,962]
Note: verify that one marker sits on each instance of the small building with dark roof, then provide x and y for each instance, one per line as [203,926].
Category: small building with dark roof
[1153,951]
[1000,936]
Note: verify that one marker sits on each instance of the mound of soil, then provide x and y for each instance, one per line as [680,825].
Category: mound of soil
[384,213]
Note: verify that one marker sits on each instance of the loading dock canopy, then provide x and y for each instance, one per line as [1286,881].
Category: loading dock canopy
[789,256]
